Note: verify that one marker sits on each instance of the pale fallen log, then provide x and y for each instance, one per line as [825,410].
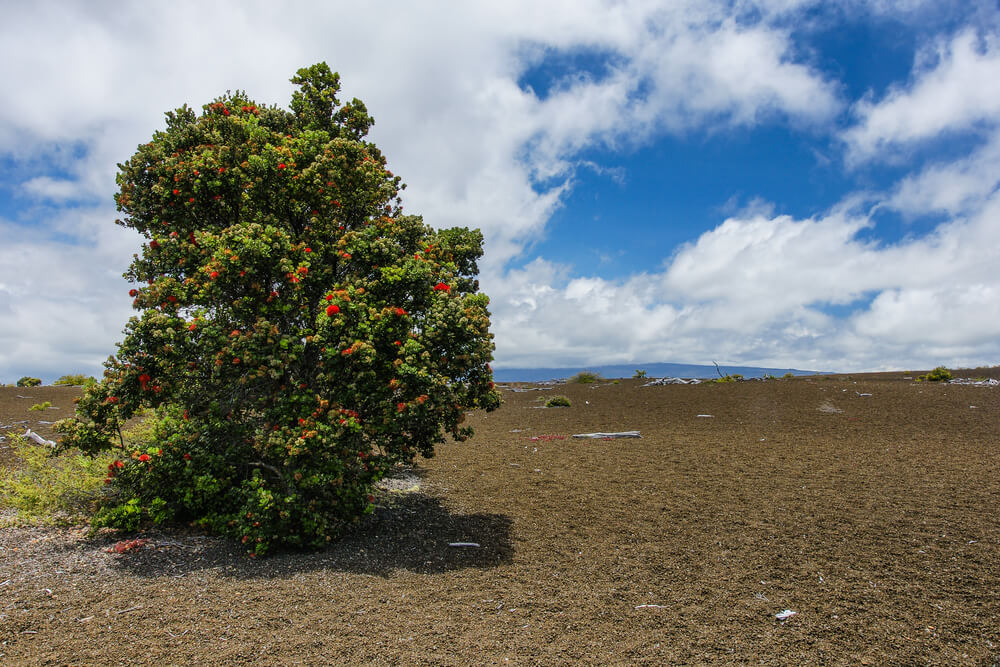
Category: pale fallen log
[31,435]
[474,545]
[608,436]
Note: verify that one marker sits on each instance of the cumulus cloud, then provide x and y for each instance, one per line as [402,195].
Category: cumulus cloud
[952,91]
[86,84]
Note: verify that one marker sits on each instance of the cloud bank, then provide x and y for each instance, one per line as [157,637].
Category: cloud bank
[478,147]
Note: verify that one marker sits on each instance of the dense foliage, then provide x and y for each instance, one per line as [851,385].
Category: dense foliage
[298,335]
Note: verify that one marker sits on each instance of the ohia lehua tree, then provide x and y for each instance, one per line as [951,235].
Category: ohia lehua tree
[296,335]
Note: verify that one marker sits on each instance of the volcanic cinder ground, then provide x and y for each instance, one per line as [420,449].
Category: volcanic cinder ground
[868,506]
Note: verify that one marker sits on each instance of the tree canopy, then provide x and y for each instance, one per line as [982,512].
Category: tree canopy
[297,334]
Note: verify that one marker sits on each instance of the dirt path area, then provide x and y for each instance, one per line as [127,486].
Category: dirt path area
[867,507]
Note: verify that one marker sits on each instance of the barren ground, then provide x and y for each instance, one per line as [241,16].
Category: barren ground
[873,517]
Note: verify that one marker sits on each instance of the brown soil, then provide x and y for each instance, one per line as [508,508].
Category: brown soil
[874,518]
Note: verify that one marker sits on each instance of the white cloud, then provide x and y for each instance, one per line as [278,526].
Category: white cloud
[953,89]
[756,290]
[86,84]
[952,187]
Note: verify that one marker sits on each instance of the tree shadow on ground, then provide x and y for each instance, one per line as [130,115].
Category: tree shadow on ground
[408,531]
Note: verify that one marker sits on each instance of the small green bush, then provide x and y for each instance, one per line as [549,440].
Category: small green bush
[735,377]
[77,380]
[51,489]
[788,376]
[939,374]
[28,382]
[38,407]
[558,402]
[639,374]
[585,377]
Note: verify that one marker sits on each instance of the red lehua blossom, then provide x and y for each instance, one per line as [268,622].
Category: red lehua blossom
[213,275]
[400,407]
[396,342]
[441,287]
[172,299]
[176,191]
[118,464]
[194,325]
[332,310]
[154,244]
[144,457]
[303,270]
[133,292]
[307,250]
[236,360]
[187,457]
[371,498]
[144,379]
[222,169]
[329,297]
[112,399]
[191,199]
[400,311]
[281,165]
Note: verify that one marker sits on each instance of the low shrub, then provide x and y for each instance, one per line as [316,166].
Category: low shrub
[77,380]
[38,407]
[939,374]
[639,374]
[735,377]
[558,402]
[585,377]
[28,382]
[44,488]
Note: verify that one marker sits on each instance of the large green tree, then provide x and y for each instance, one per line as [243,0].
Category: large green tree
[297,334]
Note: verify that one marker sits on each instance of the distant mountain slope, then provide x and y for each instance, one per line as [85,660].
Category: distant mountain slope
[628,370]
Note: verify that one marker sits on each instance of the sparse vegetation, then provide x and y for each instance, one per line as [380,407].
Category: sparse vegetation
[939,374]
[38,407]
[585,377]
[76,380]
[28,382]
[639,374]
[48,489]
[735,377]
[788,376]
[558,402]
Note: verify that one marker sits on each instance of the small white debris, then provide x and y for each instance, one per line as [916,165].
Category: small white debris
[706,416]
[459,545]
[651,606]
[31,435]
[788,613]
[608,436]
[860,394]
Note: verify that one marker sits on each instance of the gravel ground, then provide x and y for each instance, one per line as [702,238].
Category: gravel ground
[868,506]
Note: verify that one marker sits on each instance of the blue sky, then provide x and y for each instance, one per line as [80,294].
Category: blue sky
[781,183]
